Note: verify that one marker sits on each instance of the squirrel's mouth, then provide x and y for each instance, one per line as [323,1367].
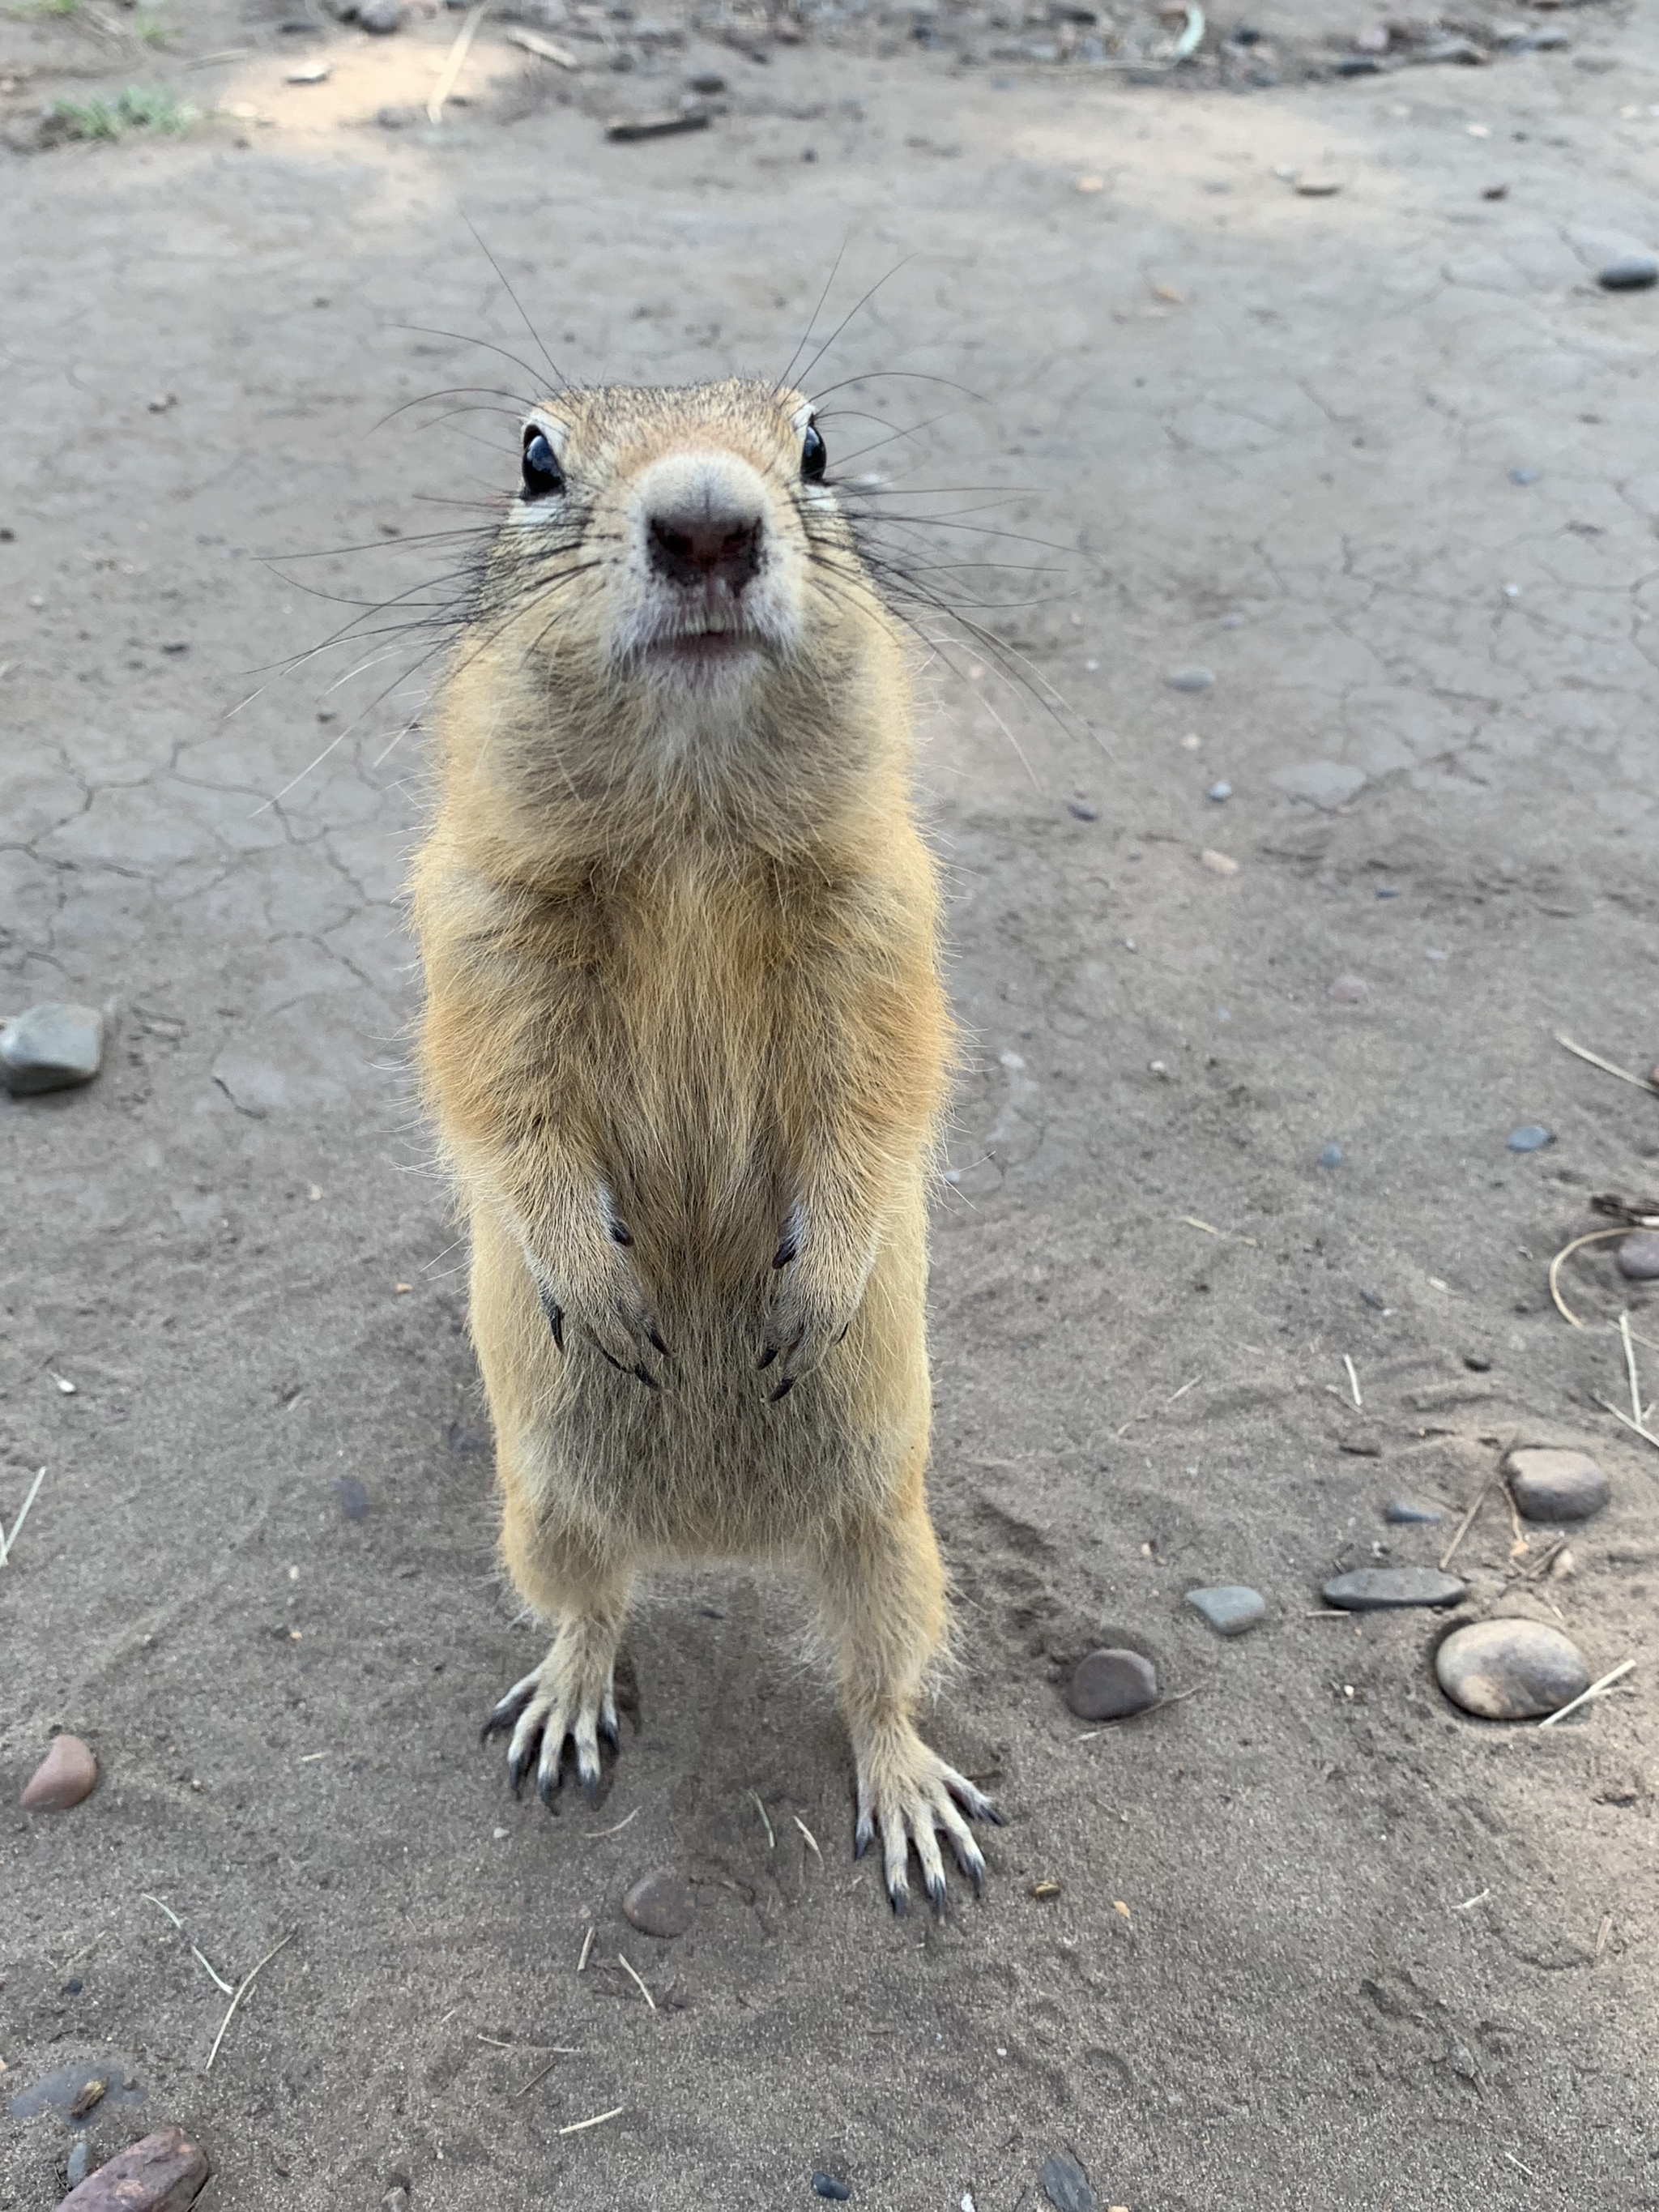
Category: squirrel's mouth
[706,640]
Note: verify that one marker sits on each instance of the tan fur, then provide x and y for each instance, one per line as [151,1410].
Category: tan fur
[682,965]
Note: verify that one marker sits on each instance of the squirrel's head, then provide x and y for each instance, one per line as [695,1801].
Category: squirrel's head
[678,545]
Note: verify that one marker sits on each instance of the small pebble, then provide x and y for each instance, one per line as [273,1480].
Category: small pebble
[165,2172]
[1638,1257]
[1111,1684]
[1556,1486]
[707,82]
[1219,863]
[1220,792]
[1065,2184]
[1404,1510]
[1525,476]
[1231,1608]
[67,1773]
[1374,1589]
[354,1498]
[1633,273]
[51,1048]
[660,1903]
[1349,990]
[1190,679]
[1510,1670]
[382,17]
[76,2166]
[1331,1156]
[1477,1362]
[1388,891]
[827,2185]
[1081,808]
[1232,621]
[1530,1137]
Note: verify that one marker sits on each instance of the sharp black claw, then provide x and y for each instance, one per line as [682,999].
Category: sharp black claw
[901,1898]
[516,1771]
[783,1389]
[936,1891]
[655,1336]
[591,1787]
[604,1354]
[555,1314]
[620,1233]
[547,1789]
[862,1839]
[646,1376]
[607,1734]
[769,1355]
[785,1252]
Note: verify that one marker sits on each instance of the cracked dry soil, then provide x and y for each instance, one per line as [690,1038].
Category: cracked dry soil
[1261,1979]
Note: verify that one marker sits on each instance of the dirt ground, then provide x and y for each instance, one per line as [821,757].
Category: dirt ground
[1318,1941]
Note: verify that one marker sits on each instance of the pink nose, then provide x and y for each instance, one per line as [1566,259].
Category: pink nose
[705,545]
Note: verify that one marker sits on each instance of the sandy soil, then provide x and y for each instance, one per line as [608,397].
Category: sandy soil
[1264,1979]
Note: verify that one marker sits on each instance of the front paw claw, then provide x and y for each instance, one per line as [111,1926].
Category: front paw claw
[911,1808]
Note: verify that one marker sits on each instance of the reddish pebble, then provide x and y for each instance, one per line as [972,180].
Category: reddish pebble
[67,1773]
[165,2172]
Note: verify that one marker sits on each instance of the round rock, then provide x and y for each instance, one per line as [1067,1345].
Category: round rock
[1377,1590]
[1231,1608]
[1406,1511]
[1557,1486]
[1530,1137]
[1331,1156]
[1638,1257]
[1632,272]
[1190,679]
[381,17]
[660,1903]
[51,1048]
[67,1773]
[1510,1670]
[1111,1684]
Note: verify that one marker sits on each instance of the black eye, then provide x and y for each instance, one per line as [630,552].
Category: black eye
[542,472]
[814,454]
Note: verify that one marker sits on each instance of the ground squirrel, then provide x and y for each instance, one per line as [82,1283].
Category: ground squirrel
[687,1044]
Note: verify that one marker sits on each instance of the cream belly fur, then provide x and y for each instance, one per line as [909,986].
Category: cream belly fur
[687,1047]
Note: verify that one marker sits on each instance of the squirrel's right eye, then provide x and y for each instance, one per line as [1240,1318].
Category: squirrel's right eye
[542,472]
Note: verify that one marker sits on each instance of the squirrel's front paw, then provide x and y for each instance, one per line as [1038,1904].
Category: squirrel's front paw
[809,1311]
[594,1295]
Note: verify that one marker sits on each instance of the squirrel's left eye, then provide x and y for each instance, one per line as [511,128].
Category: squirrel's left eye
[814,454]
[542,472]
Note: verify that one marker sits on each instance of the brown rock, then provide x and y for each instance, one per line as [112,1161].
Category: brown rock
[1111,1684]
[1510,1670]
[165,2172]
[67,1773]
[660,1903]
[1556,1486]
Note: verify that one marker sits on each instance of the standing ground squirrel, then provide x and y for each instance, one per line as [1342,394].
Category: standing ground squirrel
[687,1045]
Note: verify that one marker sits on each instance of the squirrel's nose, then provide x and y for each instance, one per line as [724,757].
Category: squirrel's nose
[709,542]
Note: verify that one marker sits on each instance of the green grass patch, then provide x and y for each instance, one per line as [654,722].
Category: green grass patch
[140,108]
[29,11]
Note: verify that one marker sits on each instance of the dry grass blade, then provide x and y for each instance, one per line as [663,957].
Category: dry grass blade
[600,1834]
[1229,1235]
[1646,1434]
[6,1541]
[1353,1384]
[246,1985]
[1606,1067]
[587,1946]
[1465,1524]
[771,1840]
[1595,1237]
[1595,1690]
[811,1840]
[1636,1412]
[456,63]
[575,2127]
[622,1959]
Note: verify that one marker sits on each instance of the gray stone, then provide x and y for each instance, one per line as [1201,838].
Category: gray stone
[1375,1589]
[660,1903]
[1404,1510]
[1530,1137]
[832,2186]
[80,2158]
[1220,792]
[1331,1156]
[1065,2184]
[1111,1684]
[354,1498]
[1324,783]
[1525,476]
[1556,1486]
[1510,1670]
[1631,272]
[1231,1608]
[1638,1257]
[51,1048]
[382,17]
[1190,679]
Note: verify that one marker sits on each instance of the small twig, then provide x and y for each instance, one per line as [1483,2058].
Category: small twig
[1629,1370]
[168,1909]
[6,1541]
[598,2119]
[1353,1384]
[1646,1434]
[1595,1237]
[534,2050]
[1227,1236]
[811,1840]
[1146,1711]
[247,1984]
[559,2052]
[1583,1698]
[456,61]
[1543,1563]
[587,1944]
[1469,1903]
[1602,1933]
[214,1975]
[1466,1523]
[771,1840]
[639,1984]
[547,50]
[1606,1066]
[600,1834]
[1184,1389]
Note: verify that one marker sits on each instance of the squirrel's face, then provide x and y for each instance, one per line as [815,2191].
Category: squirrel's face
[684,540]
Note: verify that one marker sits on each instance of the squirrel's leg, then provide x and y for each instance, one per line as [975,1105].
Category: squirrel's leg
[881,1594]
[571,1695]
